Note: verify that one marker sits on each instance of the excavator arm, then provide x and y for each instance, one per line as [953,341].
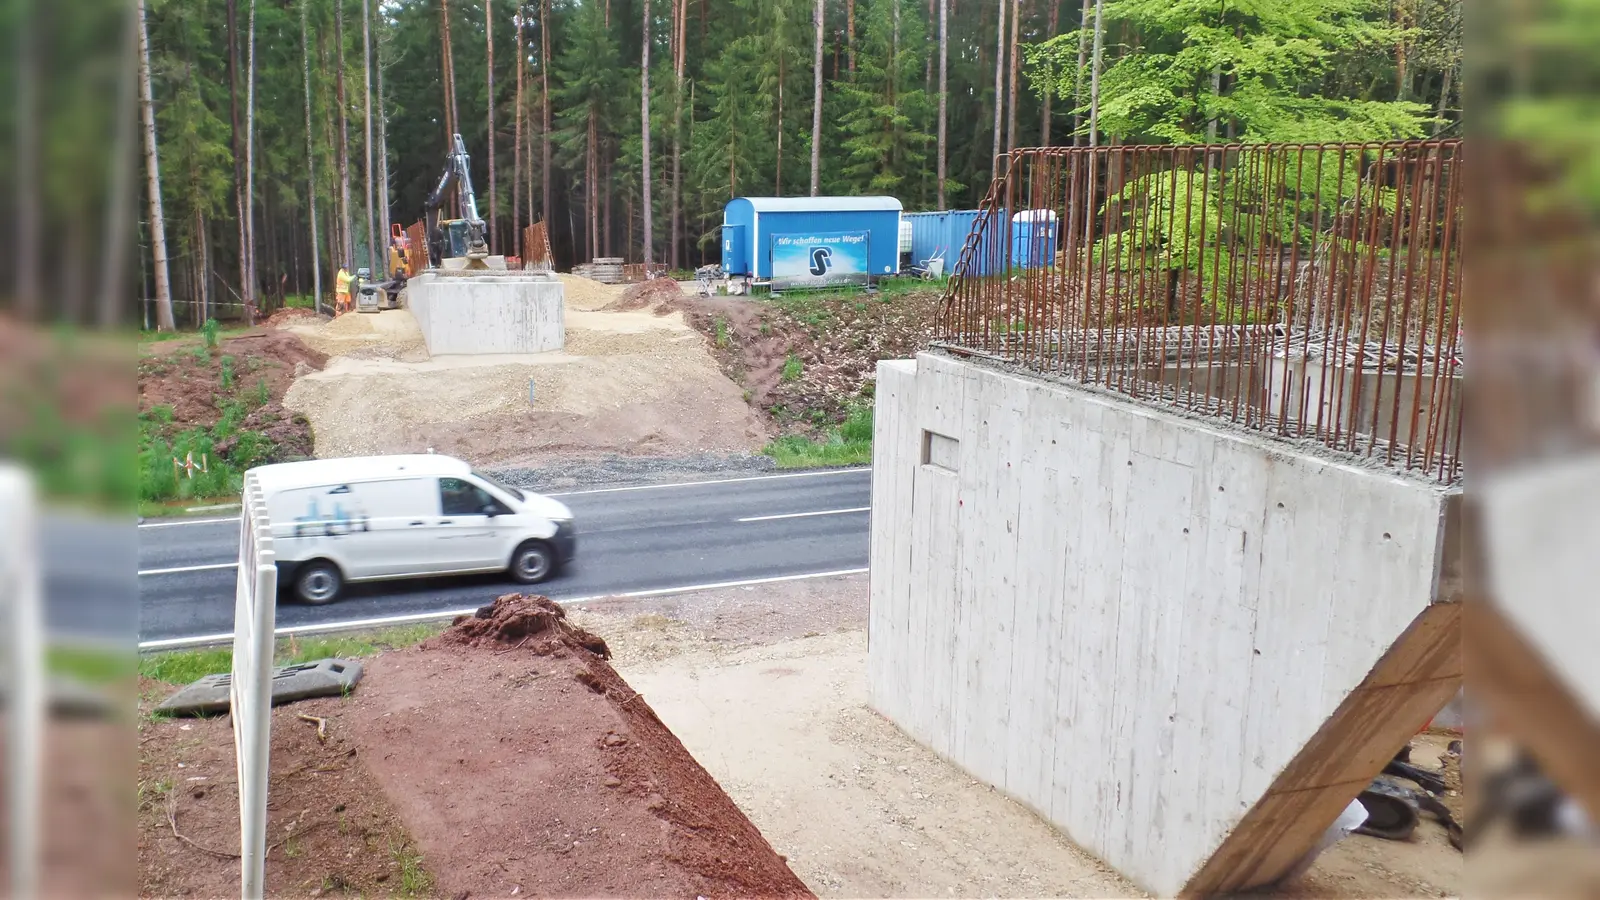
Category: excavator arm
[456,174]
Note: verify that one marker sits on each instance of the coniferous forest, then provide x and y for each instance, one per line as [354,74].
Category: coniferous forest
[301,129]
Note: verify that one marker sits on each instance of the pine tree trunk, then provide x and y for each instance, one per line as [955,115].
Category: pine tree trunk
[120,215]
[593,177]
[250,172]
[777,178]
[608,233]
[944,95]
[204,264]
[452,120]
[1050,87]
[28,252]
[1016,67]
[383,157]
[494,208]
[850,36]
[816,105]
[516,149]
[999,89]
[682,8]
[152,166]
[1444,99]
[311,157]
[1077,81]
[1094,73]
[646,210]
[366,75]
[238,149]
[544,77]
[346,234]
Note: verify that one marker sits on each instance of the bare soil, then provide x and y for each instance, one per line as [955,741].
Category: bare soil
[629,383]
[189,381]
[837,339]
[767,686]
[525,765]
[84,815]
[330,829]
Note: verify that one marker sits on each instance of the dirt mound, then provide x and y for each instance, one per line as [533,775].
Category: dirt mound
[516,620]
[546,774]
[805,359]
[290,314]
[653,292]
[189,380]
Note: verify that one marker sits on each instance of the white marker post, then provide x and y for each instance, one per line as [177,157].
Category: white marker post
[25,707]
[250,691]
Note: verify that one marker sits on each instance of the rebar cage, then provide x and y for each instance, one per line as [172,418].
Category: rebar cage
[1308,291]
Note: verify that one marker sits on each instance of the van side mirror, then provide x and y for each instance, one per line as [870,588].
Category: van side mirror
[492,509]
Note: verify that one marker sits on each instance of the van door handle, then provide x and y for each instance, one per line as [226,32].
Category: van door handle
[419,522]
[444,522]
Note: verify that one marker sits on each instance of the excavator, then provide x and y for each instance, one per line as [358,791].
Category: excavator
[463,237]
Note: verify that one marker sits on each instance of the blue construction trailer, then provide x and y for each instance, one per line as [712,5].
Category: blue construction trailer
[755,228]
[942,234]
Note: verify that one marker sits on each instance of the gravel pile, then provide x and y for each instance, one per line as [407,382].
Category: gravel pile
[582,293]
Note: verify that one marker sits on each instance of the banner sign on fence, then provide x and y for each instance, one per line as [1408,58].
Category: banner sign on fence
[819,259]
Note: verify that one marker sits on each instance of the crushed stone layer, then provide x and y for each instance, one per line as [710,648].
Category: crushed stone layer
[630,382]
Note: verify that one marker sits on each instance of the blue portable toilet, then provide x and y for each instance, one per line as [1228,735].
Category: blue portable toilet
[750,225]
[1033,238]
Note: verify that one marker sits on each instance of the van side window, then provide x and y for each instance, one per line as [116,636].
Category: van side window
[461,498]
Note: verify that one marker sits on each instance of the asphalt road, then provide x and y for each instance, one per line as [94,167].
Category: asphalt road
[629,540]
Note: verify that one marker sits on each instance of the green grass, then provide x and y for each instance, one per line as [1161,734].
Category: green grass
[223,475]
[414,880]
[299,301]
[185,666]
[792,368]
[90,665]
[848,444]
[893,286]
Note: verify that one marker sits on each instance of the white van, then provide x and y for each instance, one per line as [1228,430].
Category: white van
[370,518]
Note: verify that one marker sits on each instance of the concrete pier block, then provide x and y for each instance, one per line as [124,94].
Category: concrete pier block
[488,313]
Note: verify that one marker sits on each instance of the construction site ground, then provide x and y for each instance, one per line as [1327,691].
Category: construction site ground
[767,687]
[503,758]
[629,382]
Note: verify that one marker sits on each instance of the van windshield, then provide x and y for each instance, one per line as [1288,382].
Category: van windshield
[500,484]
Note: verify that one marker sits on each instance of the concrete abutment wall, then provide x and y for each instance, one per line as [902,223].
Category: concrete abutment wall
[489,313]
[1178,642]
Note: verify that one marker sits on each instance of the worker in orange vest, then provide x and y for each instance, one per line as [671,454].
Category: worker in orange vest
[341,292]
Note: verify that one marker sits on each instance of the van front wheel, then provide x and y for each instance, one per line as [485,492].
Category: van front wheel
[318,582]
[533,562]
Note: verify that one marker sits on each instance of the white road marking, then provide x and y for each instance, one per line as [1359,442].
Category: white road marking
[683,484]
[176,522]
[612,490]
[822,512]
[202,640]
[176,569]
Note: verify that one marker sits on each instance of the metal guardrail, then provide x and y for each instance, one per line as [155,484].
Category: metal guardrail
[1309,291]
[250,688]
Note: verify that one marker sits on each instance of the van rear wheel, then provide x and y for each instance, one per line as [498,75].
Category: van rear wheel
[533,562]
[318,582]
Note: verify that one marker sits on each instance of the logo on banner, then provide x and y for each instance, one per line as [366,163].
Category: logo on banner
[819,260]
